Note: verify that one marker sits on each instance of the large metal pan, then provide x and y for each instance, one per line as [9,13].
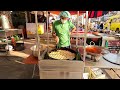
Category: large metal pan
[93,49]
[47,54]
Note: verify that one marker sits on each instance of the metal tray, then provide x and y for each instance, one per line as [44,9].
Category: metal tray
[113,58]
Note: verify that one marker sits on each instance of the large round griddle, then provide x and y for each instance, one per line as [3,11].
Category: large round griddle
[67,49]
[113,58]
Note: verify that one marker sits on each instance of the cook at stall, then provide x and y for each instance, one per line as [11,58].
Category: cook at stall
[62,30]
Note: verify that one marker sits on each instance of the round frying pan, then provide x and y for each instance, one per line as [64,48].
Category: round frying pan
[67,49]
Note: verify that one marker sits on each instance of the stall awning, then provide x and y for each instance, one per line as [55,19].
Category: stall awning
[91,14]
[71,12]
[95,14]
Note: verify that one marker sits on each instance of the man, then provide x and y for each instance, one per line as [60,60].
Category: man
[95,26]
[80,27]
[101,27]
[61,30]
[41,17]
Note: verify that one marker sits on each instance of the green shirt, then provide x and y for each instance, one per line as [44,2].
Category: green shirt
[63,32]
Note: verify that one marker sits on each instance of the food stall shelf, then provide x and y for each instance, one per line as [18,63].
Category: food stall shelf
[4,34]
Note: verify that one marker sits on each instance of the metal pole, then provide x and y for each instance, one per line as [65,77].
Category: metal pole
[26,17]
[30,17]
[36,21]
[77,28]
[82,20]
[77,21]
[85,34]
[37,35]
[47,29]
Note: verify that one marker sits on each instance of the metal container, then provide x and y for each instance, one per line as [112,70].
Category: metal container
[5,22]
[94,55]
[42,48]
[97,47]
[34,51]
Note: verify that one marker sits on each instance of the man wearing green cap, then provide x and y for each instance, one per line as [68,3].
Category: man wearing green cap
[61,30]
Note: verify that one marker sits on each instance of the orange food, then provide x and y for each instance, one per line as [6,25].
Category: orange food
[93,50]
[90,49]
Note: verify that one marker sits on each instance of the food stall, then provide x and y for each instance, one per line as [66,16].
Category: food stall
[52,64]
[10,38]
[49,63]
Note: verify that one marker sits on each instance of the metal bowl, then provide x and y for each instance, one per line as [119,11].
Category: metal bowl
[42,48]
[34,51]
[93,47]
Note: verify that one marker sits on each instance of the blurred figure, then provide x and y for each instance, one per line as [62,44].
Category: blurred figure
[92,26]
[95,26]
[83,26]
[101,27]
[80,27]
[98,26]
[50,27]
[42,18]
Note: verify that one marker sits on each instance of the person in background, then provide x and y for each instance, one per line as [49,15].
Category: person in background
[95,26]
[98,26]
[80,27]
[50,27]
[92,26]
[83,26]
[61,30]
[101,27]
[42,18]
[49,17]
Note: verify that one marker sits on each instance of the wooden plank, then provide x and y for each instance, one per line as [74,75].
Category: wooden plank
[117,71]
[10,32]
[107,75]
[60,75]
[3,42]
[61,65]
[112,74]
[83,35]
[31,36]
[3,53]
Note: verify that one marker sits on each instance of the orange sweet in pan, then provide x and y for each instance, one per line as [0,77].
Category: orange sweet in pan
[93,49]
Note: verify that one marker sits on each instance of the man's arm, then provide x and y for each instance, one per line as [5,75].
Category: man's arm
[53,31]
[54,34]
[73,27]
[73,30]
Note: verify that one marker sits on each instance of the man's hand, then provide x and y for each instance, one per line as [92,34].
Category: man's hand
[70,33]
[54,35]
[57,39]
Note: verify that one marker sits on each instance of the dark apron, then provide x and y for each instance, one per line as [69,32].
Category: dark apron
[64,47]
